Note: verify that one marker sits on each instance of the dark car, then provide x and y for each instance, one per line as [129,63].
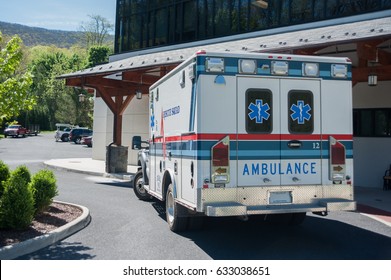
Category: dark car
[76,134]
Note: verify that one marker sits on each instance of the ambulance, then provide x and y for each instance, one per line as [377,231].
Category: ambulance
[242,134]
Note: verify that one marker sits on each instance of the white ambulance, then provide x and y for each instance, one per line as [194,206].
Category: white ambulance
[249,134]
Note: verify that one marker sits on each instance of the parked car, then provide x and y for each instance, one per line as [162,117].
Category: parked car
[62,132]
[15,130]
[86,140]
[76,134]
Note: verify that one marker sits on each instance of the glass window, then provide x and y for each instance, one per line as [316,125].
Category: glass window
[366,123]
[300,111]
[259,110]
[372,122]
[149,23]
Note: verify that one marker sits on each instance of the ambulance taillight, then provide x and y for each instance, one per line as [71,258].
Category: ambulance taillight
[337,161]
[220,162]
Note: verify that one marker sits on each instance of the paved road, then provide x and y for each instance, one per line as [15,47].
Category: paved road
[123,227]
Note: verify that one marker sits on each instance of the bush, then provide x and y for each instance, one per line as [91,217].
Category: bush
[23,173]
[4,175]
[44,188]
[17,204]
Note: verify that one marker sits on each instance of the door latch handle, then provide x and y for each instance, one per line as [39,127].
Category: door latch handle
[294,144]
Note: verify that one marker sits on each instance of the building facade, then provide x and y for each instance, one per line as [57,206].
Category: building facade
[152,36]
[154,23]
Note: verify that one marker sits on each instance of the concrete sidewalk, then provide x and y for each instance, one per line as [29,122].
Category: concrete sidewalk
[89,166]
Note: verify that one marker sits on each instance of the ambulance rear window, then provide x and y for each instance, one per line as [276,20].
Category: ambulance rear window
[259,111]
[300,107]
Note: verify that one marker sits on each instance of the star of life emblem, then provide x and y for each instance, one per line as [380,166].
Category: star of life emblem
[259,111]
[300,112]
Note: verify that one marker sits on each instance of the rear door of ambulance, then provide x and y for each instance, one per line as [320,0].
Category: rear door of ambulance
[279,133]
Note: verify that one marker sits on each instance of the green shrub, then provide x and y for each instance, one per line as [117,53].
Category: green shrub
[44,188]
[23,173]
[4,175]
[17,203]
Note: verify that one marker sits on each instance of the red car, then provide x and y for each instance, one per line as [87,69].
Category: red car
[15,130]
[86,140]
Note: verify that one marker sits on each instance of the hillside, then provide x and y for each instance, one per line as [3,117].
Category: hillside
[33,36]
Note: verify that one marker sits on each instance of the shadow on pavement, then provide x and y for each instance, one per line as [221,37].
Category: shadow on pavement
[61,251]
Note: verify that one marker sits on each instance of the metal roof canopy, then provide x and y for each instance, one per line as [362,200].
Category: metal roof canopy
[116,82]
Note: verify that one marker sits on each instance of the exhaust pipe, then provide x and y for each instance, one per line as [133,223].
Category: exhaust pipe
[322,213]
[243,218]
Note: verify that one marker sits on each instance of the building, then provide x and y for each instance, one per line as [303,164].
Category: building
[153,36]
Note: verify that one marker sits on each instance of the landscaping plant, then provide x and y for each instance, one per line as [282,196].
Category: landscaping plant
[44,188]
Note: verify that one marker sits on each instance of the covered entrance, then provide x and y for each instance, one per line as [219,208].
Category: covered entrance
[367,43]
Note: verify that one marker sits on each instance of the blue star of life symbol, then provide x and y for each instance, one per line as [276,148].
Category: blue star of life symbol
[300,112]
[152,121]
[259,111]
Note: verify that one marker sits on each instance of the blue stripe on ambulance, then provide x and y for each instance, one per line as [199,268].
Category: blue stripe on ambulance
[249,150]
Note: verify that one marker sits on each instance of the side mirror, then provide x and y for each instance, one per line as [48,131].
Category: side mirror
[136,143]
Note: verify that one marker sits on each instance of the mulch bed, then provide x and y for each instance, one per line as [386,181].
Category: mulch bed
[56,216]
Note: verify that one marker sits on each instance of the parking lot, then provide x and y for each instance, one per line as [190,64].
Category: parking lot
[124,227]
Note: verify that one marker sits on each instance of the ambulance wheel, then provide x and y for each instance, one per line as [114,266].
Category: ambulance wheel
[174,212]
[138,187]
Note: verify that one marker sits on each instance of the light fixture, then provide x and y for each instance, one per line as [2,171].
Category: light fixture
[339,71]
[214,64]
[82,97]
[279,67]
[372,76]
[310,69]
[247,66]
[372,79]
[139,94]
[260,3]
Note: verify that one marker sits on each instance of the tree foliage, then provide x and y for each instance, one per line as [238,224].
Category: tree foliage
[96,30]
[14,82]
[98,55]
[57,101]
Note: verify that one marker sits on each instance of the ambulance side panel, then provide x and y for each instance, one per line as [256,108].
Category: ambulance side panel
[170,104]
[217,117]
[337,121]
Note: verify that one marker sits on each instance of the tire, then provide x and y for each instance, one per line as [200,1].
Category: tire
[65,138]
[176,219]
[77,140]
[138,187]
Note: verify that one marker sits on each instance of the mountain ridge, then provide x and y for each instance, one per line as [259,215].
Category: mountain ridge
[33,36]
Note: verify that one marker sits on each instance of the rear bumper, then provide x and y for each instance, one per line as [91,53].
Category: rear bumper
[255,200]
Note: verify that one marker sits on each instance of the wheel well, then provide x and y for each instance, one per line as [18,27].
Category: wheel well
[166,182]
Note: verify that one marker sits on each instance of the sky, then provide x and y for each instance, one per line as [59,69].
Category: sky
[55,14]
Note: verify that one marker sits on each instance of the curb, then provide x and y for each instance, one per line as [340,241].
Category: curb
[377,214]
[122,176]
[57,167]
[29,246]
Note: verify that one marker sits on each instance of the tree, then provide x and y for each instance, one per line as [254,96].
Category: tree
[57,102]
[96,30]
[14,83]
[98,55]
